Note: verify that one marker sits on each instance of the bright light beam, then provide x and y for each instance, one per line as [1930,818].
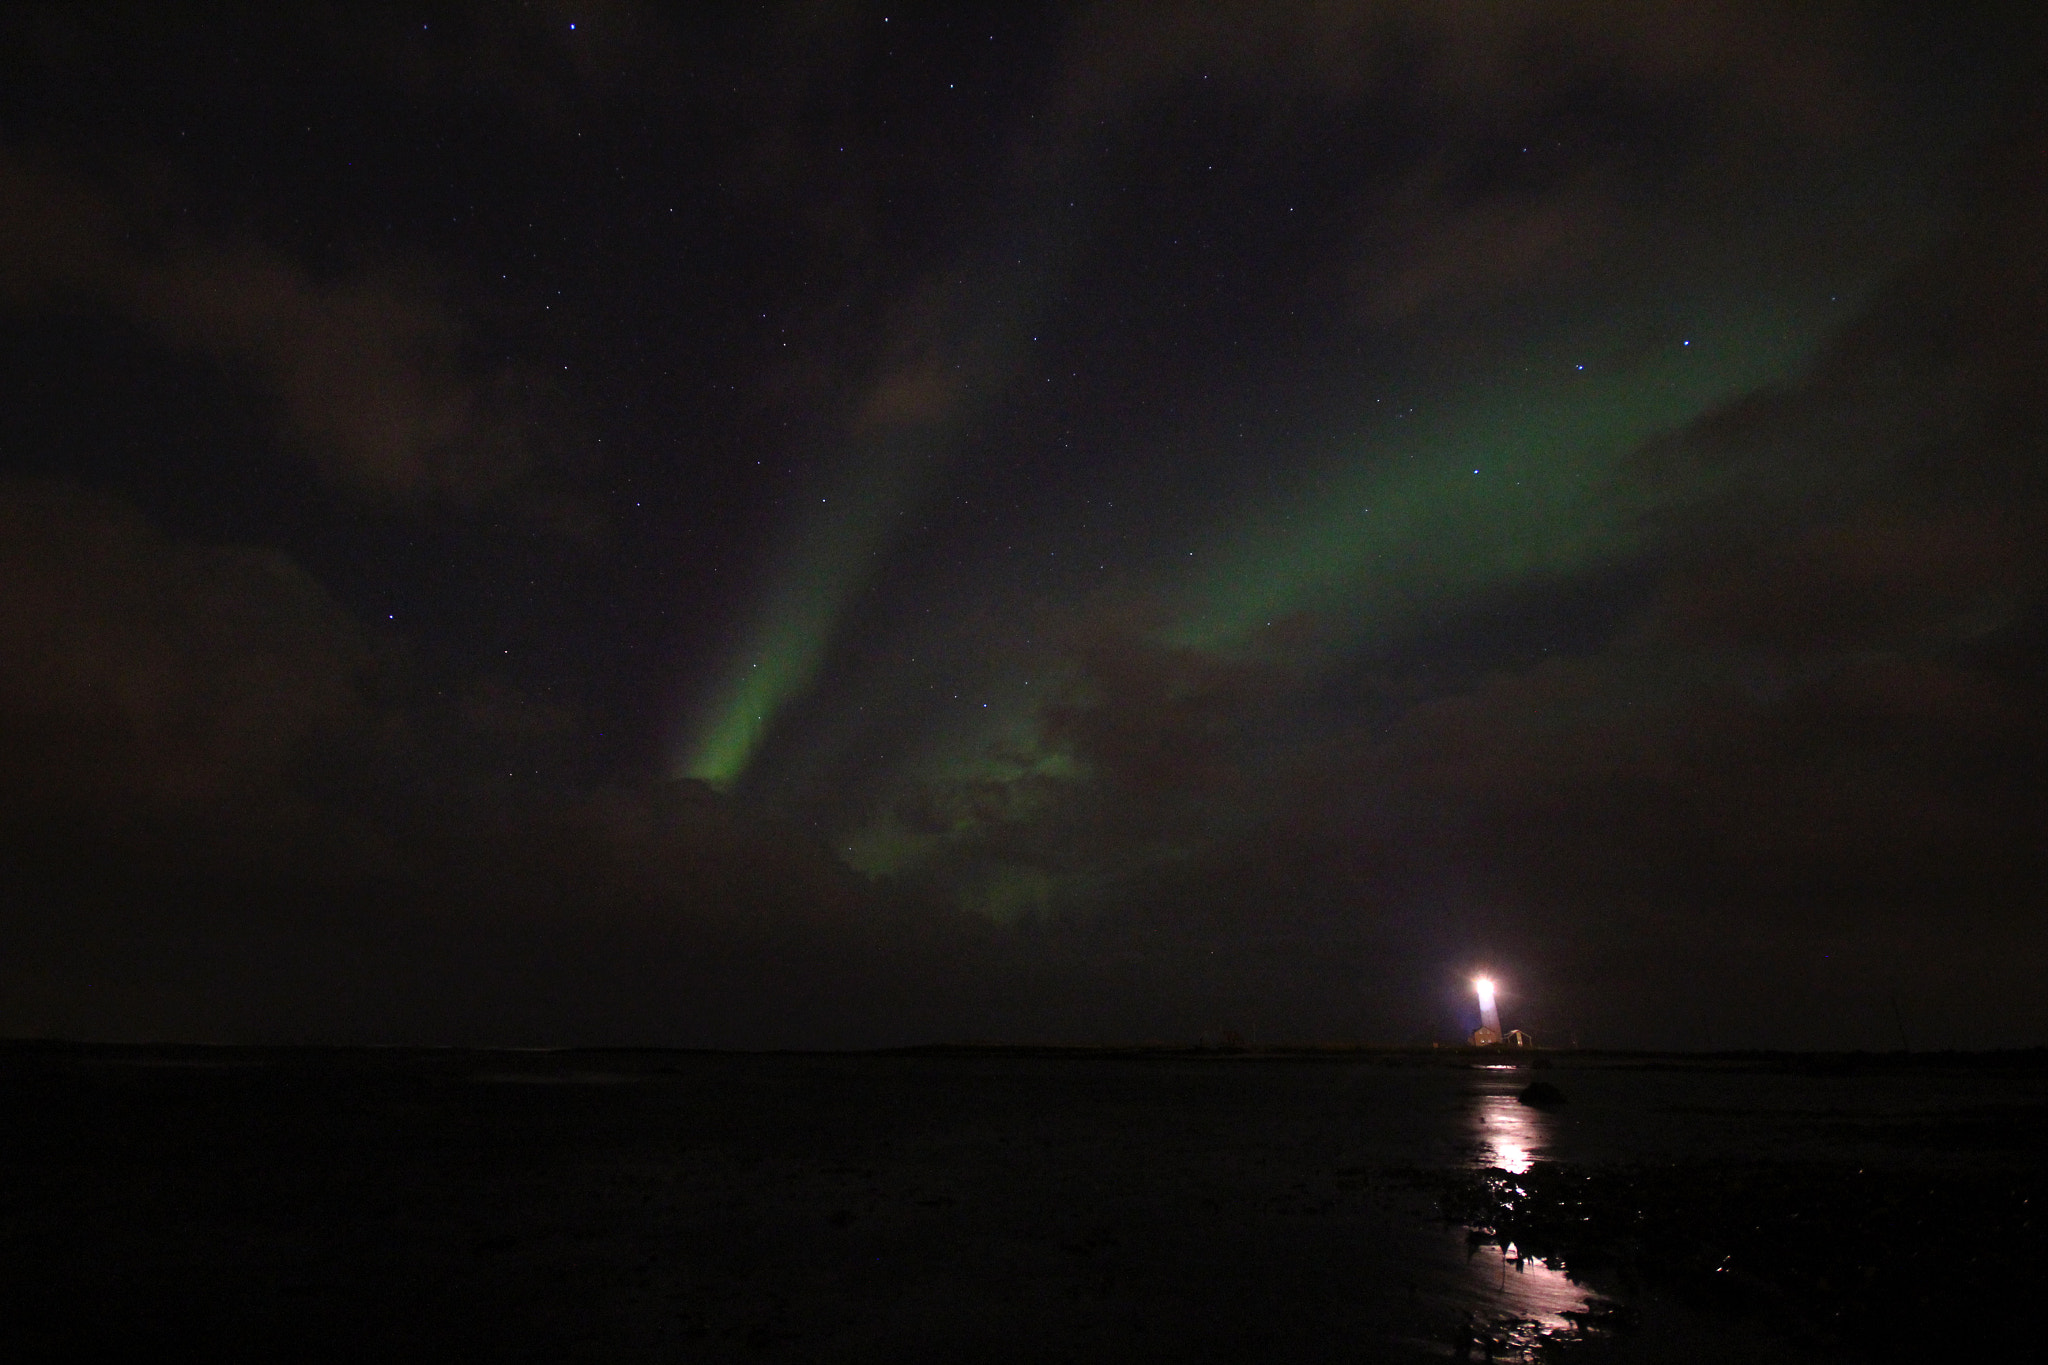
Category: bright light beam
[1489,1013]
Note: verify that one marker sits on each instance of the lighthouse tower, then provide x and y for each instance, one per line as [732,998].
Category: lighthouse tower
[1488,1032]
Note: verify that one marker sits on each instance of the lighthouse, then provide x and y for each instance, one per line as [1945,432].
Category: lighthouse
[1488,1032]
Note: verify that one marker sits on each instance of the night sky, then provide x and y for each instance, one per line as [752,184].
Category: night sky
[833,524]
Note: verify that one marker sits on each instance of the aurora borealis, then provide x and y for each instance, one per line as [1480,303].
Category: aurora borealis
[831,523]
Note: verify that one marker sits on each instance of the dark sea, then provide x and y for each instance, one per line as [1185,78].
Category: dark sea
[352,1204]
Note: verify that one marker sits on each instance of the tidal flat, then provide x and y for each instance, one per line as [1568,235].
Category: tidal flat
[1009,1204]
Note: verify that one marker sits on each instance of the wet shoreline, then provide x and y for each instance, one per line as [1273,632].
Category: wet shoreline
[1140,1205]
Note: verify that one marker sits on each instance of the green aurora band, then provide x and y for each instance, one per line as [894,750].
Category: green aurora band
[1551,426]
[1561,488]
[1520,480]
[973,338]
[824,567]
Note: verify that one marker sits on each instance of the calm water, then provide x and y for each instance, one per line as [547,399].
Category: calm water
[656,1206]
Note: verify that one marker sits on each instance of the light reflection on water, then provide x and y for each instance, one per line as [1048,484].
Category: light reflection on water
[1525,1288]
[1508,1133]
[1525,1301]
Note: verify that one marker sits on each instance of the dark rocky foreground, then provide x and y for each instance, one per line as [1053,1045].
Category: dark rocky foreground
[357,1204]
[1874,1264]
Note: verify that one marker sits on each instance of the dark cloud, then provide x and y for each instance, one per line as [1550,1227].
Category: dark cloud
[372,376]
[1493,55]
[1497,170]
[156,680]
